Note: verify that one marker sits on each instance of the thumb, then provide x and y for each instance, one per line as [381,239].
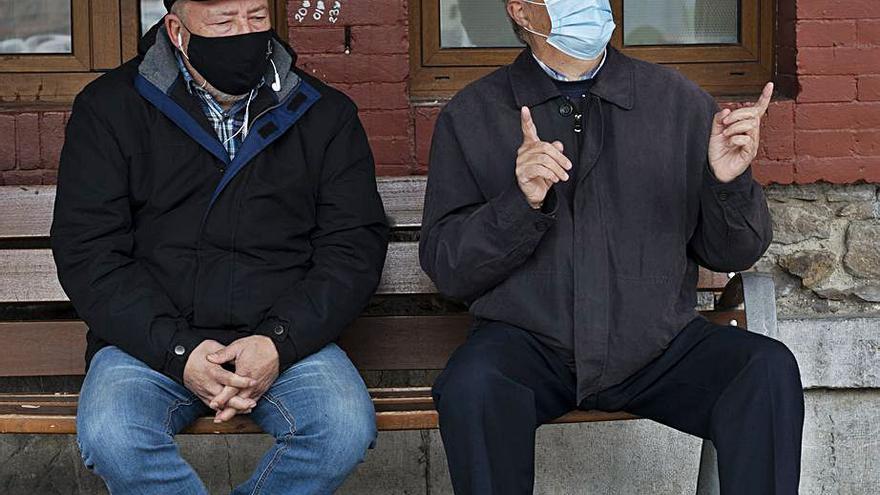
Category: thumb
[718,122]
[222,356]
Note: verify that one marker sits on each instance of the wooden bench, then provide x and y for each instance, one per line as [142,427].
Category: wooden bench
[37,346]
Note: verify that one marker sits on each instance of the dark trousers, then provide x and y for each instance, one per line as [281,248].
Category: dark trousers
[739,389]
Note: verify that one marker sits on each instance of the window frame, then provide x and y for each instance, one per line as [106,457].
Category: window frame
[728,70]
[105,34]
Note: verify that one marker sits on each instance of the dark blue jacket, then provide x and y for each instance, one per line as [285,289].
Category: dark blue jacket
[606,273]
[162,242]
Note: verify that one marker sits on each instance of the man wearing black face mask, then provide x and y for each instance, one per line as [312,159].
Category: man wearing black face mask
[571,197]
[217,225]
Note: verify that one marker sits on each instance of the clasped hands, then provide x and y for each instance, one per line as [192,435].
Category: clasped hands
[256,368]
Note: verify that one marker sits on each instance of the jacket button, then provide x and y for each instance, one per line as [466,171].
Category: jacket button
[723,195]
[566,109]
[179,350]
[279,329]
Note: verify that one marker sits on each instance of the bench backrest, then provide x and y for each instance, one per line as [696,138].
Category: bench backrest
[401,341]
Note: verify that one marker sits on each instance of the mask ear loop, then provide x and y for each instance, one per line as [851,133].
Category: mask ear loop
[180,47]
[533,31]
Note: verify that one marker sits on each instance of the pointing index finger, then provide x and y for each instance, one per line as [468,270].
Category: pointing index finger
[530,132]
[764,100]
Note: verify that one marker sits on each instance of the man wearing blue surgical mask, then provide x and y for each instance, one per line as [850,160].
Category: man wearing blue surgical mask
[572,197]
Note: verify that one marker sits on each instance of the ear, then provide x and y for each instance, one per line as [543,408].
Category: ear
[172,27]
[516,11]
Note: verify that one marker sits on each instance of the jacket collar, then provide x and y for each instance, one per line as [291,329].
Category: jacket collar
[532,86]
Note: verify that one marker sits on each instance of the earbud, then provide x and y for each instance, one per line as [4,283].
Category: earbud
[179,41]
[276,86]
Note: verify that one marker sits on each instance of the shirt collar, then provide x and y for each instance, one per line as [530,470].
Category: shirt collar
[615,83]
[553,73]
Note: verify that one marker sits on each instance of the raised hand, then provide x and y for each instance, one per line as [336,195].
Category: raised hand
[735,137]
[539,165]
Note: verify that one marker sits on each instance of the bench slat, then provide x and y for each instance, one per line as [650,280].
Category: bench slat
[372,343]
[27,214]
[27,210]
[57,414]
[29,275]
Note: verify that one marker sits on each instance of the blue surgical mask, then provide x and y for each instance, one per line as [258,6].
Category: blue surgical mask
[580,28]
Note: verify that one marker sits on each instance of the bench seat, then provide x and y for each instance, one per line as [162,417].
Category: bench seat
[396,409]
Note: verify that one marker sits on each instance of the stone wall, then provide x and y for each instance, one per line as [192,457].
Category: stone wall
[825,255]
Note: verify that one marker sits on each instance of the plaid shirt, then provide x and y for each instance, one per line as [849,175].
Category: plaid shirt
[226,123]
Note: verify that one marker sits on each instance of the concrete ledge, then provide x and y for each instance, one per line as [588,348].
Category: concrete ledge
[835,353]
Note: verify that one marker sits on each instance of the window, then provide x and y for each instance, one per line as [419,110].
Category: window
[50,49]
[726,46]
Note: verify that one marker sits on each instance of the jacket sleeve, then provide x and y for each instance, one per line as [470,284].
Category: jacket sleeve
[733,228]
[349,244]
[93,245]
[469,244]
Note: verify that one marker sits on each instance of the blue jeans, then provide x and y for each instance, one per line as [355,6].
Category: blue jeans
[318,410]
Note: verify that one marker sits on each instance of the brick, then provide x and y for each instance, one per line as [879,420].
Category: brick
[392,151]
[7,142]
[377,96]
[837,115]
[828,143]
[869,88]
[826,33]
[23,177]
[357,68]
[777,133]
[868,142]
[869,32]
[27,141]
[837,9]
[49,177]
[386,170]
[424,121]
[51,139]
[838,60]
[821,89]
[363,12]
[837,170]
[306,40]
[380,39]
[394,123]
[773,172]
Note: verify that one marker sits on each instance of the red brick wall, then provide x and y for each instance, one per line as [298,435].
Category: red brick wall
[827,128]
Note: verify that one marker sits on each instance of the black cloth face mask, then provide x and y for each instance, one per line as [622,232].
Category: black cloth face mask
[232,64]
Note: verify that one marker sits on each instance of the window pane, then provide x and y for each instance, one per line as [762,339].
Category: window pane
[681,22]
[35,26]
[475,24]
[151,12]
